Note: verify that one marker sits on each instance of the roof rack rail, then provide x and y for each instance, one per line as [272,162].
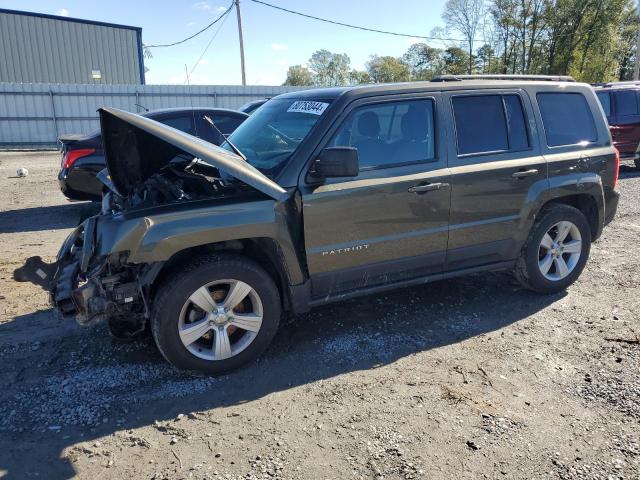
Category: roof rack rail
[616,84]
[548,78]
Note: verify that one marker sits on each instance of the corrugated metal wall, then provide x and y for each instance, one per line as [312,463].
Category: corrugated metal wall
[34,115]
[39,48]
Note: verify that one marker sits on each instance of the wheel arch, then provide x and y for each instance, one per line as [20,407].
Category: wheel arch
[585,203]
[263,250]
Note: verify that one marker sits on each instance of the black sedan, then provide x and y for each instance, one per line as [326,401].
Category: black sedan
[83,158]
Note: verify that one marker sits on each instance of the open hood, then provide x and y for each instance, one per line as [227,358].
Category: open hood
[136,147]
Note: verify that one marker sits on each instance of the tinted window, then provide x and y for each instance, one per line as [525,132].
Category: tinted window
[269,137]
[389,133]
[567,119]
[605,101]
[183,123]
[225,123]
[516,124]
[626,103]
[489,123]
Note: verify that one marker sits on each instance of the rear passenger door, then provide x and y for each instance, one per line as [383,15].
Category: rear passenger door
[495,162]
[626,129]
[390,222]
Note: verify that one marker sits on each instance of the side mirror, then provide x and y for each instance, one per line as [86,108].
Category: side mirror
[336,162]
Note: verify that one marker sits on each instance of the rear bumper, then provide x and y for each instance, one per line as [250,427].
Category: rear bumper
[611,206]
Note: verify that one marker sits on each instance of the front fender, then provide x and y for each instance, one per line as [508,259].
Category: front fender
[157,237]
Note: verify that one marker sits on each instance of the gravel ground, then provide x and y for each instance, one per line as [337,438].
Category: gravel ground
[466,378]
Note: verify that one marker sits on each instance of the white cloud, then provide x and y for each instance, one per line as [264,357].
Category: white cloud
[202,5]
[278,47]
[191,24]
[204,61]
[63,12]
[207,7]
[283,62]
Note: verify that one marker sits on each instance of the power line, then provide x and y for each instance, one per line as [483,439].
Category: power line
[215,34]
[348,25]
[386,32]
[197,33]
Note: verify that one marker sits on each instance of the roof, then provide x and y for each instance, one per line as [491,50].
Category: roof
[69,19]
[416,87]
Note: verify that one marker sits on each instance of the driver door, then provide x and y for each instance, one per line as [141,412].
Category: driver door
[390,223]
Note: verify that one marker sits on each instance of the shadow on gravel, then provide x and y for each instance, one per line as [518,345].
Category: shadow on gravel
[54,217]
[627,171]
[83,386]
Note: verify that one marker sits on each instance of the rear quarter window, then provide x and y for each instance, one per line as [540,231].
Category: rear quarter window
[567,119]
[626,102]
[605,101]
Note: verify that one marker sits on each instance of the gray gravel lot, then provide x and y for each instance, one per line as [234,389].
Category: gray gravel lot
[466,378]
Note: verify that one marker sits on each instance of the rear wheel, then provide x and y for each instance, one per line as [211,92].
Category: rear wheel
[216,314]
[557,250]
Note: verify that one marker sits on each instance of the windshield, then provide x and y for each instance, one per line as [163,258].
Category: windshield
[270,136]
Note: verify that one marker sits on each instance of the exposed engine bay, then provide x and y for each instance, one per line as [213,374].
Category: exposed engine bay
[183,179]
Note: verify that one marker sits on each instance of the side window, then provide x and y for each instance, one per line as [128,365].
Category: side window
[567,119]
[626,102]
[489,123]
[183,123]
[605,101]
[390,133]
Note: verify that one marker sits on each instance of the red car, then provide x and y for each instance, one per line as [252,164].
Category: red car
[621,104]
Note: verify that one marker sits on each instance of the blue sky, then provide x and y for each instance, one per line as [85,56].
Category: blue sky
[273,39]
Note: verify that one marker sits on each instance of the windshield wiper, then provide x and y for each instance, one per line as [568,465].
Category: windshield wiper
[235,149]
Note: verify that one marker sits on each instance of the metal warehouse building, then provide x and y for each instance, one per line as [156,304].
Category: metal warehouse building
[38,48]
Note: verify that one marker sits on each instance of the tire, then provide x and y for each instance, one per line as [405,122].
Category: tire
[175,309]
[536,257]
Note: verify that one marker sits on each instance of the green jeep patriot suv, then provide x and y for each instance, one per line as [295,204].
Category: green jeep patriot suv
[327,194]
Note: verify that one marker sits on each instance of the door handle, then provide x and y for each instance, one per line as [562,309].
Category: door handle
[427,187]
[525,173]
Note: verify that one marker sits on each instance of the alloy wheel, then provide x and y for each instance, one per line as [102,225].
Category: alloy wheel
[560,250]
[220,319]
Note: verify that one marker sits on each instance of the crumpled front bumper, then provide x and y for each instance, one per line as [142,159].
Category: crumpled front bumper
[65,279]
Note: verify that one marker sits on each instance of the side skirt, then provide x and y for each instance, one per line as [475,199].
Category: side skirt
[303,302]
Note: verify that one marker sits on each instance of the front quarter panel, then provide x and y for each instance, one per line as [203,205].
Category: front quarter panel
[159,236]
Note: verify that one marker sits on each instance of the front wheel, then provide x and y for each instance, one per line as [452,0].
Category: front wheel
[556,251]
[215,314]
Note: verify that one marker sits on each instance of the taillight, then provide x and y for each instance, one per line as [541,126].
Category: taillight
[72,155]
[617,167]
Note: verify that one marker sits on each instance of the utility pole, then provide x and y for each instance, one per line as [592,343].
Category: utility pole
[244,77]
[636,70]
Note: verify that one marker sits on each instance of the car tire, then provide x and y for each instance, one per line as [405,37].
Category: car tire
[178,314]
[549,263]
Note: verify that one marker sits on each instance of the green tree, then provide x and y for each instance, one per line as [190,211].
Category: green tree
[387,69]
[330,69]
[359,77]
[424,62]
[456,61]
[298,75]
[485,57]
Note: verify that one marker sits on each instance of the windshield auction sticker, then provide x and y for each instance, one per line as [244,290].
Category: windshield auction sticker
[304,106]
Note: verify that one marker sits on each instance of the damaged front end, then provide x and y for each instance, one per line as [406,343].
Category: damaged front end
[156,176]
[92,288]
